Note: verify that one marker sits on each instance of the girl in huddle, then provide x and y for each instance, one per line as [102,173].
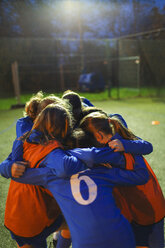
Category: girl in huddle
[74,99]
[25,123]
[32,108]
[51,214]
[15,173]
[80,204]
[143,205]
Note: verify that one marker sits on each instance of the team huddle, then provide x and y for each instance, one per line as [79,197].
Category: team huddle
[79,173]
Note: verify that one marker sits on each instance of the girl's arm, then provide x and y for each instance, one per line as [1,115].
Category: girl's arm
[35,176]
[5,167]
[95,155]
[8,167]
[17,150]
[63,163]
[11,166]
[138,176]
[137,147]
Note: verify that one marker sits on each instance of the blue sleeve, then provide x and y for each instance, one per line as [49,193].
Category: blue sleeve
[23,125]
[95,155]
[138,176]
[139,147]
[120,118]
[17,150]
[62,163]
[15,155]
[5,167]
[87,102]
[35,176]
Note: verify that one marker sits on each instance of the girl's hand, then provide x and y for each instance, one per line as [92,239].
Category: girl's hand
[116,145]
[18,168]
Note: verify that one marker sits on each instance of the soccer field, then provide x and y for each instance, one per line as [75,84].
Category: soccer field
[138,113]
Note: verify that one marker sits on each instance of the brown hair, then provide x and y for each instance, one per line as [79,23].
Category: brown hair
[75,101]
[80,139]
[48,100]
[54,122]
[99,121]
[31,107]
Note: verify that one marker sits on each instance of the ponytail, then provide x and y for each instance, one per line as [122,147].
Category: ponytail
[117,127]
[99,121]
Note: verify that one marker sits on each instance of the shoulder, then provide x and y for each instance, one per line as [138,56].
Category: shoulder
[55,157]
[23,125]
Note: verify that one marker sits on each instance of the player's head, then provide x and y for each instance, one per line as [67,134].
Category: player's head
[54,122]
[31,107]
[103,128]
[90,109]
[75,101]
[80,139]
[48,100]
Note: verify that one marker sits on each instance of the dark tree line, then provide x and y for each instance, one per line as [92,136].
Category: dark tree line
[93,19]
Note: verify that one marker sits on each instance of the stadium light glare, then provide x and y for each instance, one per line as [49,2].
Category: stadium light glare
[71,6]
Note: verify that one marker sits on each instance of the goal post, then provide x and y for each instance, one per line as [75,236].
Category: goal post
[127,72]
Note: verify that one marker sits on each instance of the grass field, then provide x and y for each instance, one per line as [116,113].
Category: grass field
[139,114]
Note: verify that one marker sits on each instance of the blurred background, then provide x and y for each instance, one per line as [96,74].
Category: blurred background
[89,46]
[102,49]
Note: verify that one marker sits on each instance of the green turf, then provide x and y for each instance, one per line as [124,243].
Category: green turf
[139,114]
[114,93]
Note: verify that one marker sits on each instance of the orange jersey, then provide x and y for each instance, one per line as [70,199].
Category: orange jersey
[143,204]
[30,208]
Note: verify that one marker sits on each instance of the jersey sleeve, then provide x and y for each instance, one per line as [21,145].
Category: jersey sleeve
[120,118]
[138,176]
[17,150]
[15,155]
[35,176]
[63,163]
[91,156]
[138,147]
[5,167]
[87,102]
[23,125]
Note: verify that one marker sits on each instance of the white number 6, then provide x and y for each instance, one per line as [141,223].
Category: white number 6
[75,188]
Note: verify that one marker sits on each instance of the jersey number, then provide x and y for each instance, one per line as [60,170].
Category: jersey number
[75,188]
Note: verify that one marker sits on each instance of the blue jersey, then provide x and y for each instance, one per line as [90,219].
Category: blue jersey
[87,202]
[86,102]
[23,125]
[88,155]
[92,156]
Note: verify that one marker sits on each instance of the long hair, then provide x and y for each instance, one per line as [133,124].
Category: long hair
[99,121]
[48,100]
[54,122]
[31,107]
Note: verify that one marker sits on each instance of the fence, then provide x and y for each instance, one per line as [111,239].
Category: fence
[55,65]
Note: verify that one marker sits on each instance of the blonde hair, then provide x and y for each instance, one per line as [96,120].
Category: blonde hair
[31,107]
[99,121]
[48,100]
[54,122]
